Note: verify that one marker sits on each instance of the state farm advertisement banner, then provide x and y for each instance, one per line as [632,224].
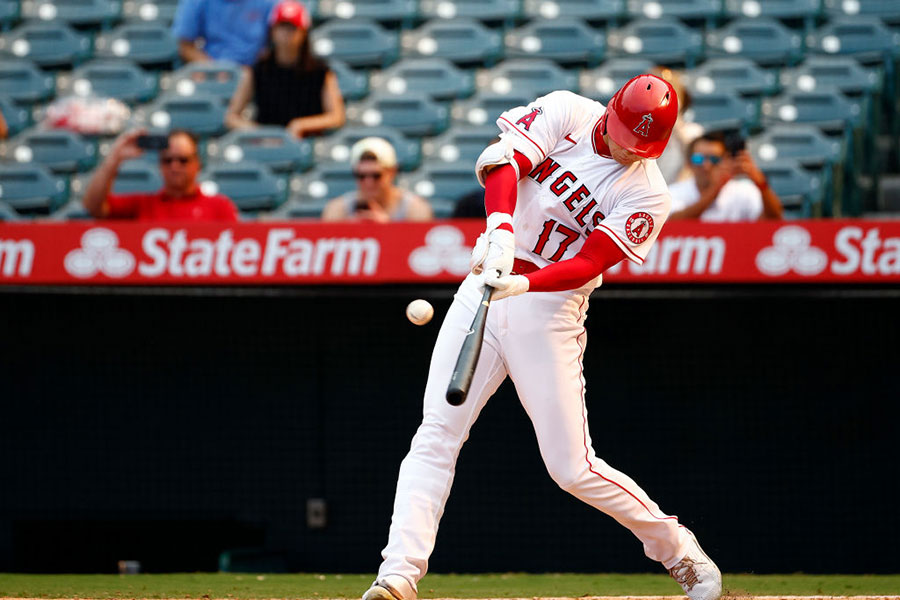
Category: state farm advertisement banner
[113,253]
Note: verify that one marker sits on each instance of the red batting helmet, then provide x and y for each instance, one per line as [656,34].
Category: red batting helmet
[291,12]
[640,116]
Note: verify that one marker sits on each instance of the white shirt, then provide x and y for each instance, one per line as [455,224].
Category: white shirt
[738,200]
[572,190]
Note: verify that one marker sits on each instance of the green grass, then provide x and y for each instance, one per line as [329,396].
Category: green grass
[509,585]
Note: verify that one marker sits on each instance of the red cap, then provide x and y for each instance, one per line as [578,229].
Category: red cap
[289,11]
[640,116]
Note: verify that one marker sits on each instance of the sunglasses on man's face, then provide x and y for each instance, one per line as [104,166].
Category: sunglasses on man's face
[699,159]
[182,160]
[373,176]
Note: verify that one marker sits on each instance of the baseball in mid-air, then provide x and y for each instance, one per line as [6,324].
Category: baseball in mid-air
[419,312]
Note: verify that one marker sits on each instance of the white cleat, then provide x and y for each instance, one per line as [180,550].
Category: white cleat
[697,573]
[390,587]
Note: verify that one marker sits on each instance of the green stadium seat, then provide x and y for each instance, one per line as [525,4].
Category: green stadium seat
[71,210]
[273,147]
[59,150]
[119,79]
[81,13]
[148,44]
[485,107]
[48,45]
[866,39]
[805,10]
[437,78]
[24,82]
[384,11]
[804,143]
[30,189]
[298,208]
[665,41]
[720,111]
[461,41]
[886,10]
[799,190]
[737,75]
[9,13]
[335,148]
[325,181]
[459,144]
[829,111]
[354,85]
[359,43]
[484,10]
[707,11]
[413,114]
[440,180]
[138,176]
[765,41]
[17,117]
[529,77]
[202,114]
[250,185]
[215,78]
[7,213]
[564,40]
[602,82]
[831,72]
[150,11]
[592,11]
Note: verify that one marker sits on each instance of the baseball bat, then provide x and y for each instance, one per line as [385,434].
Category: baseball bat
[464,370]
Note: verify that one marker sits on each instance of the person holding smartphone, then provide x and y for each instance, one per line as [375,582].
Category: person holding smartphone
[179,199]
[376,198]
[726,185]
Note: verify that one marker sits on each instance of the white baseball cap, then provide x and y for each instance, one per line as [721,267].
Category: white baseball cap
[380,148]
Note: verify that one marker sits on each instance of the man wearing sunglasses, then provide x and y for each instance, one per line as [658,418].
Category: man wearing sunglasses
[726,184]
[180,197]
[376,198]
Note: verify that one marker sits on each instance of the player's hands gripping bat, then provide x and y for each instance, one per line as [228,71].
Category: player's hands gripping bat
[461,379]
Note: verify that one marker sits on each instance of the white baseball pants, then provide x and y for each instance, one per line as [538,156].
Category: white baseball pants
[538,339]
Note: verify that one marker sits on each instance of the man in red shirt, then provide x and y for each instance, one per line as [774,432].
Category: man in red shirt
[180,199]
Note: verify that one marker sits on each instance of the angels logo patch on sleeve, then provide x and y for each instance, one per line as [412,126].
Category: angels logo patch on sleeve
[528,119]
[638,227]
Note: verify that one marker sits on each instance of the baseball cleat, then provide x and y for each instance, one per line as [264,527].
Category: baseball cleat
[391,587]
[697,574]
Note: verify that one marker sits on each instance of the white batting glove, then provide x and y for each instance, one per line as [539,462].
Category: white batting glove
[495,248]
[506,286]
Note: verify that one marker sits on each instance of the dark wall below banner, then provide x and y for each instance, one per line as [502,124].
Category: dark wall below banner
[169,428]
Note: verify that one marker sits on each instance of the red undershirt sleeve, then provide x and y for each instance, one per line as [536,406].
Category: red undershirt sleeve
[500,187]
[597,255]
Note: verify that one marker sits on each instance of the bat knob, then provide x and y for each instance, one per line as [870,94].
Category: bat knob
[455,396]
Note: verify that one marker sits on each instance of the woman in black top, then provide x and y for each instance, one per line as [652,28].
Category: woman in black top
[291,87]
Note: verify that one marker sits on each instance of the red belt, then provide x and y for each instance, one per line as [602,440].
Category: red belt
[523,267]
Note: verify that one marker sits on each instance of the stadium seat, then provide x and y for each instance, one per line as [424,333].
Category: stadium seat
[150,11]
[601,83]
[73,209]
[707,11]
[592,11]
[799,190]
[81,13]
[806,10]
[831,72]
[865,38]
[336,147]
[202,114]
[804,143]
[137,176]
[529,77]
[216,78]
[273,147]
[886,10]
[437,78]
[446,181]
[722,111]
[354,85]
[9,13]
[665,41]
[324,182]
[413,113]
[31,189]
[738,75]
[564,40]
[250,185]
[59,150]
[461,41]
[48,45]
[384,11]
[829,111]
[359,43]
[298,208]
[765,41]
[459,144]
[148,44]
[17,118]
[23,82]
[484,10]
[485,107]
[119,79]
[7,213]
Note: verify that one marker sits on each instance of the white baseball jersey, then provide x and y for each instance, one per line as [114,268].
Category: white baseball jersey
[738,200]
[572,190]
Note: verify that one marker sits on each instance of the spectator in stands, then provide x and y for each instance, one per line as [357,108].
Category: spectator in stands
[232,30]
[671,162]
[4,128]
[376,198]
[179,199]
[291,87]
[726,185]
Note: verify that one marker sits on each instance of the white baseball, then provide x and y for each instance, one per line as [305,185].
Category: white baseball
[419,312]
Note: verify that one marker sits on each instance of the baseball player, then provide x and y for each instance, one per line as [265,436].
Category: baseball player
[571,189]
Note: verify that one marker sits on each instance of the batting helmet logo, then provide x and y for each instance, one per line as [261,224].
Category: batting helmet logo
[643,127]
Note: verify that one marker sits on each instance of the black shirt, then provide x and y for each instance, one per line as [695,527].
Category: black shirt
[285,93]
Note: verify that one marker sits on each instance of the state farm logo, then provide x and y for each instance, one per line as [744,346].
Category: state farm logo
[444,250]
[791,251]
[99,253]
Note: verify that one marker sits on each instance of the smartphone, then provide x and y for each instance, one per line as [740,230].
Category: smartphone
[734,143]
[155,142]
[361,205]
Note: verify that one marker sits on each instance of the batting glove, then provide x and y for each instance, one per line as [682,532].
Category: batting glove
[508,285]
[495,248]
